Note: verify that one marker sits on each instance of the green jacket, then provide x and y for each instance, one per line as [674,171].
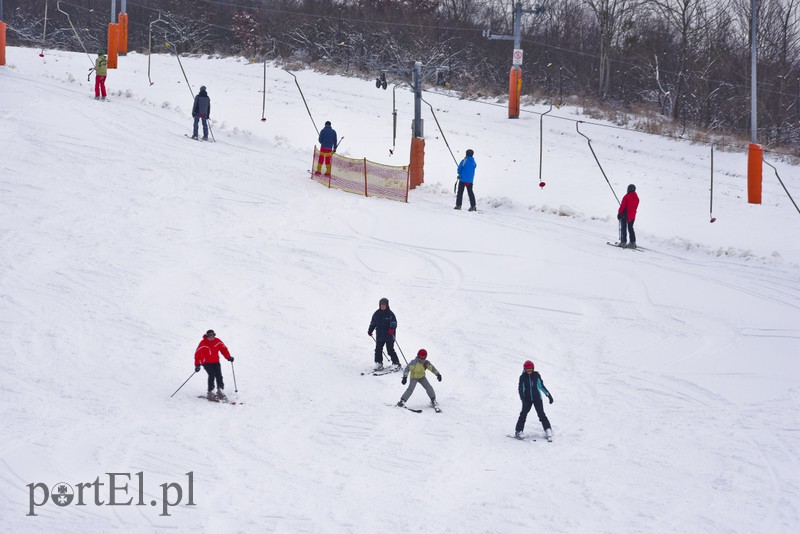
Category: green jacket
[418,367]
[101,65]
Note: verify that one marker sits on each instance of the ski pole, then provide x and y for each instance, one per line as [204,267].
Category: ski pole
[235,387]
[401,351]
[177,390]
[382,353]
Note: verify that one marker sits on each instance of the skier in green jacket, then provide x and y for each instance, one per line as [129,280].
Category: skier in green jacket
[100,71]
[416,368]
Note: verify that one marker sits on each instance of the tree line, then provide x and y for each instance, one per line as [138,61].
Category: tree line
[685,60]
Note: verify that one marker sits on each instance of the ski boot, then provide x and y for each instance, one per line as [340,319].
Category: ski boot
[457,208]
[210,396]
[221,395]
[401,403]
[378,366]
[549,434]
[518,435]
[472,208]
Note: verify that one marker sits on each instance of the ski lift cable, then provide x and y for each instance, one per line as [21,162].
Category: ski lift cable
[577,128]
[58,6]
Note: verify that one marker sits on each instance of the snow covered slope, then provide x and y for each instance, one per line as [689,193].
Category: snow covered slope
[674,370]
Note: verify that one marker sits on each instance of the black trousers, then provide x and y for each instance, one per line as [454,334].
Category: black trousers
[460,197]
[389,348]
[214,371]
[626,228]
[526,407]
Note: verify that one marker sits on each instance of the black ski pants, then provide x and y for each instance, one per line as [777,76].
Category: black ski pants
[526,407]
[389,348]
[625,228]
[460,197]
[214,371]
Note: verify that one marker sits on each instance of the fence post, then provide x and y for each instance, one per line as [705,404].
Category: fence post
[365,178]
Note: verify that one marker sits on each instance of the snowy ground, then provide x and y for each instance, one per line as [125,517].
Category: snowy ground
[674,370]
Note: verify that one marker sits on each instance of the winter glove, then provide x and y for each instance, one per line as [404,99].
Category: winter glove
[391,331]
[231,359]
[619,216]
[439,378]
[404,380]
[369,333]
[550,398]
[196,368]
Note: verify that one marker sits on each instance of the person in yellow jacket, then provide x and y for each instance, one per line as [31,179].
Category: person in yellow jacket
[416,368]
[100,71]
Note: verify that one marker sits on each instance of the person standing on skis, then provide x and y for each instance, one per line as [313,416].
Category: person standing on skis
[384,323]
[530,390]
[626,215]
[416,368]
[207,355]
[100,73]
[201,110]
[466,175]
[327,143]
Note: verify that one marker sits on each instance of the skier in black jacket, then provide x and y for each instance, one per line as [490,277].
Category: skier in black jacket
[530,389]
[384,324]
[201,111]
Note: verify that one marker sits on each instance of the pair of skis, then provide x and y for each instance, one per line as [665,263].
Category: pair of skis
[415,410]
[219,400]
[549,438]
[384,371]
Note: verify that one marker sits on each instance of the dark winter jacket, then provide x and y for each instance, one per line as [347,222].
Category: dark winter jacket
[327,138]
[530,385]
[382,321]
[628,206]
[466,170]
[202,105]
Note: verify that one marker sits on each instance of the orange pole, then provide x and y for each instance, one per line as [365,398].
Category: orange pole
[514,90]
[123,34]
[2,43]
[754,158]
[113,40]
[417,165]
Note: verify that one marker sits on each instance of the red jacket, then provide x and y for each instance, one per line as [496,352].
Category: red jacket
[628,206]
[208,351]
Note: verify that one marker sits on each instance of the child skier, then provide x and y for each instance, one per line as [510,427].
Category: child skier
[530,386]
[417,368]
[384,323]
[207,355]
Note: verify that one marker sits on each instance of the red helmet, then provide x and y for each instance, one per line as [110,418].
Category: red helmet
[422,354]
[527,365]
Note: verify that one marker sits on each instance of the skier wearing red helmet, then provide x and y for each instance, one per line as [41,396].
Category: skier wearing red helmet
[416,368]
[530,390]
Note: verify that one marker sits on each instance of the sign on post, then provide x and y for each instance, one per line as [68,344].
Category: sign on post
[517,57]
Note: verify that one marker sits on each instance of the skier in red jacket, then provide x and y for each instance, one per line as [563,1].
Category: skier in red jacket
[207,355]
[626,216]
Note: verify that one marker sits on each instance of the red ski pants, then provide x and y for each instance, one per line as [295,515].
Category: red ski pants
[99,84]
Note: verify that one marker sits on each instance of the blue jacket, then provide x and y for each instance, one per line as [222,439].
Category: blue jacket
[466,170]
[327,138]
[530,385]
[382,321]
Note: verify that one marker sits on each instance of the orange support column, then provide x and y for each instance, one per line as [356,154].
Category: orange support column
[754,157]
[2,43]
[417,166]
[123,34]
[514,91]
[113,40]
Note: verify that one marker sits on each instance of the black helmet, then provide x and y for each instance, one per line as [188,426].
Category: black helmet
[631,188]
[384,300]
[470,153]
[202,88]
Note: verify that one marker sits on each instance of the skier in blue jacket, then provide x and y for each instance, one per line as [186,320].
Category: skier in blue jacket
[531,388]
[328,142]
[466,175]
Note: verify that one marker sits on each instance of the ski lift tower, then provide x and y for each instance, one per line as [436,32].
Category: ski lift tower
[515,76]
[2,36]
[419,73]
